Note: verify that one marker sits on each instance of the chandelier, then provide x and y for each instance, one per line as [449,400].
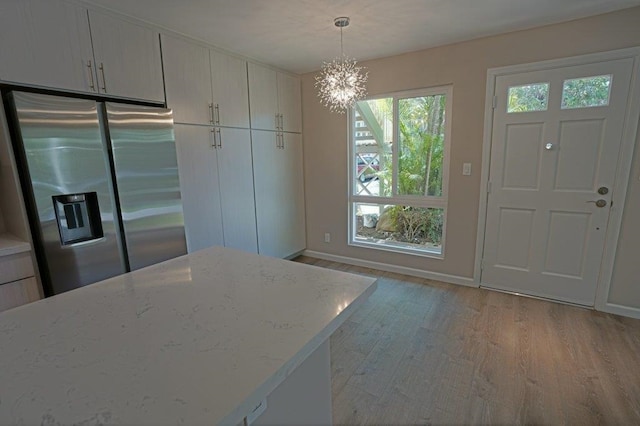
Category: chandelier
[340,82]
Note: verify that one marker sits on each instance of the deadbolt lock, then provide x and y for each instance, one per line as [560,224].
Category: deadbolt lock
[603,190]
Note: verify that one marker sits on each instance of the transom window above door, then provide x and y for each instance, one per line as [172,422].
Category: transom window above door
[399,148]
[584,92]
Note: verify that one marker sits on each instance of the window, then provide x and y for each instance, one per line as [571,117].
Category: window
[586,92]
[399,167]
[528,97]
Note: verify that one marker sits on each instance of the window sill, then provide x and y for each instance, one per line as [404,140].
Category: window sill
[396,248]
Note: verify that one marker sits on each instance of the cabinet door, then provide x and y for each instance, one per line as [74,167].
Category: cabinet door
[279,193]
[268,176]
[129,56]
[187,80]
[199,185]
[289,102]
[236,189]
[263,97]
[293,187]
[45,44]
[230,90]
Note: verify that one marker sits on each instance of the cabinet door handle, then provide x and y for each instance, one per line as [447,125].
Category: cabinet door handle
[211,120]
[92,84]
[214,145]
[217,114]
[282,140]
[104,80]
[282,123]
[219,138]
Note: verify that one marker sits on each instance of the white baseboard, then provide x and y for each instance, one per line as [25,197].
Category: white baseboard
[437,276]
[626,311]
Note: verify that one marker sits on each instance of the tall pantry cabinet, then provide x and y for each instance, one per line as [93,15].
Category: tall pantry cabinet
[277,161]
[208,93]
[239,150]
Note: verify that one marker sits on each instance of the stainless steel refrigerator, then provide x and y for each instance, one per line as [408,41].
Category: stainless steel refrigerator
[101,185]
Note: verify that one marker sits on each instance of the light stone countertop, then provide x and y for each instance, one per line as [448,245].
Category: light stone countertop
[200,339]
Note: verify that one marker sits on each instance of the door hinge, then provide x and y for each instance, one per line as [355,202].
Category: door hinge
[494,102]
[488,187]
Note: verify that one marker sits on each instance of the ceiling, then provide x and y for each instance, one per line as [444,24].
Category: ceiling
[297,35]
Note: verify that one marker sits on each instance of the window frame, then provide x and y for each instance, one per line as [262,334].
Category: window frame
[428,201]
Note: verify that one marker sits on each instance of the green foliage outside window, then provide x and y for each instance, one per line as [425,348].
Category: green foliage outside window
[586,92]
[529,97]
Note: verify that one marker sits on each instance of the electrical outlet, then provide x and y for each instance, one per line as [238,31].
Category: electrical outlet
[327,237]
[466,169]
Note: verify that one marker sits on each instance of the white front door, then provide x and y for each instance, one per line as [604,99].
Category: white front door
[554,152]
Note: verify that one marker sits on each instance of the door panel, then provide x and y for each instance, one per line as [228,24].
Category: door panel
[230,90]
[236,189]
[522,155]
[130,57]
[187,80]
[514,238]
[46,43]
[552,148]
[197,163]
[580,142]
[565,251]
[146,172]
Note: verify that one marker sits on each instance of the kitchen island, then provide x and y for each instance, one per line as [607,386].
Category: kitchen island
[201,339]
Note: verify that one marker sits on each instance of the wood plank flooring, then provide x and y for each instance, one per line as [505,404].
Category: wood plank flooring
[425,352]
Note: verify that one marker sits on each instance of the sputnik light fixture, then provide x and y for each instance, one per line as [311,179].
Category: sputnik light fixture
[341,83]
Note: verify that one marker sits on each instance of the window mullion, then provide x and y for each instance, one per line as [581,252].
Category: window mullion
[394,148]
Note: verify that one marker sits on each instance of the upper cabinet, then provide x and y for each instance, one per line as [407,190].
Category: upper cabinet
[127,58]
[203,86]
[46,43]
[275,100]
[289,103]
[55,44]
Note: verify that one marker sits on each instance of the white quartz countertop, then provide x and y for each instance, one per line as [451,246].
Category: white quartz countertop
[200,339]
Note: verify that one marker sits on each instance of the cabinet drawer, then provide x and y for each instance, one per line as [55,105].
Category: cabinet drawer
[15,267]
[18,293]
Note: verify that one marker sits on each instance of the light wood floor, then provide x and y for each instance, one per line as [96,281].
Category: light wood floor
[424,352]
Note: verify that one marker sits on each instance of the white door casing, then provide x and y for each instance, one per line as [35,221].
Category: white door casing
[544,235]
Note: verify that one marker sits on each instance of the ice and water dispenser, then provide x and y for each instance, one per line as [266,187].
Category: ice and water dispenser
[78,217]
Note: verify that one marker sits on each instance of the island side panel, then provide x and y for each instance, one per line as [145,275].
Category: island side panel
[304,398]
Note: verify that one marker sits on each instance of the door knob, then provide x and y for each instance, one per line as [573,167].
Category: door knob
[603,190]
[598,203]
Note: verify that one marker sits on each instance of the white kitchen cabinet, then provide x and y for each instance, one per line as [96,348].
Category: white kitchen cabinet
[216,181]
[230,90]
[275,100]
[279,189]
[55,44]
[187,80]
[46,43]
[236,189]
[289,103]
[127,58]
[199,186]
[203,86]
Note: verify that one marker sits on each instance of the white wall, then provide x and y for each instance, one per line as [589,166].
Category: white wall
[465,66]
